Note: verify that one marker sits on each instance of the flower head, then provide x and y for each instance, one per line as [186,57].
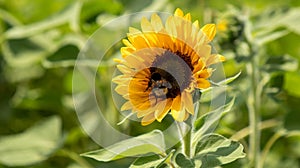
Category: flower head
[162,66]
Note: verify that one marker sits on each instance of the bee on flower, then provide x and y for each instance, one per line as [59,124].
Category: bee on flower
[162,66]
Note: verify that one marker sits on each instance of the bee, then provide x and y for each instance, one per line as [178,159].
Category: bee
[159,86]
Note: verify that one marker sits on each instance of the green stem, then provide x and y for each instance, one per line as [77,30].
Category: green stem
[269,144]
[187,144]
[253,104]
[187,127]
[246,131]
[194,118]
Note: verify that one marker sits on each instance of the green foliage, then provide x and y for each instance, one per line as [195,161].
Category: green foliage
[148,161]
[183,161]
[151,161]
[152,142]
[32,146]
[215,150]
[215,114]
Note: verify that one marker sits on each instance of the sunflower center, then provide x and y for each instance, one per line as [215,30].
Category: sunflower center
[171,73]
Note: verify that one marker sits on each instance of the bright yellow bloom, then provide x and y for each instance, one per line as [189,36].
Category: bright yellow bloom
[163,64]
[222,25]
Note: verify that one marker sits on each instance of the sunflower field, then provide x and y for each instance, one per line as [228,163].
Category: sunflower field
[149,83]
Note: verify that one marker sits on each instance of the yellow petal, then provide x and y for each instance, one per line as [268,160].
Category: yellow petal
[122,89]
[171,27]
[196,24]
[143,106]
[202,83]
[156,23]
[126,106]
[161,112]
[204,73]
[135,61]
[142,113]
[178,115]
[177,112]
[215,58]
[210,31]
[176,104]
[126,51]
[146,25]
[178,12]
[133,31]
[127,43]
[193,33]
[186,116]
[204,51]
[139,41]
[126,96]
[121,79]
[148,119]
[188,102]
[124,69]
[188,17]
[117,60]
[199,66]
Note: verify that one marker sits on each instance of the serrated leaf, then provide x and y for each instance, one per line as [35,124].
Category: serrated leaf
[184,162]
[215,150]
[152,142]
[32,146]
[208,120]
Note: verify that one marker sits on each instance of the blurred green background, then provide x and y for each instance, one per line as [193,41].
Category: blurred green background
[40,41]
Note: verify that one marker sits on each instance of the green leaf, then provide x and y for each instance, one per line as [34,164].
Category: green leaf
[215,150]
[32,146]
[48,24]
[218,89]
[271,36]
[152,142]
[212,93]
[184,162]
[229,80]
[208,120]
[151,161]
[291,20]
[148,161]
[278,19]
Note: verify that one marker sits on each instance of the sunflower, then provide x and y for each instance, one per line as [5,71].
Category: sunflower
[163,65]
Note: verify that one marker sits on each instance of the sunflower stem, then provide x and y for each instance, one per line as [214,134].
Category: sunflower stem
[194,118]
[187,144]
